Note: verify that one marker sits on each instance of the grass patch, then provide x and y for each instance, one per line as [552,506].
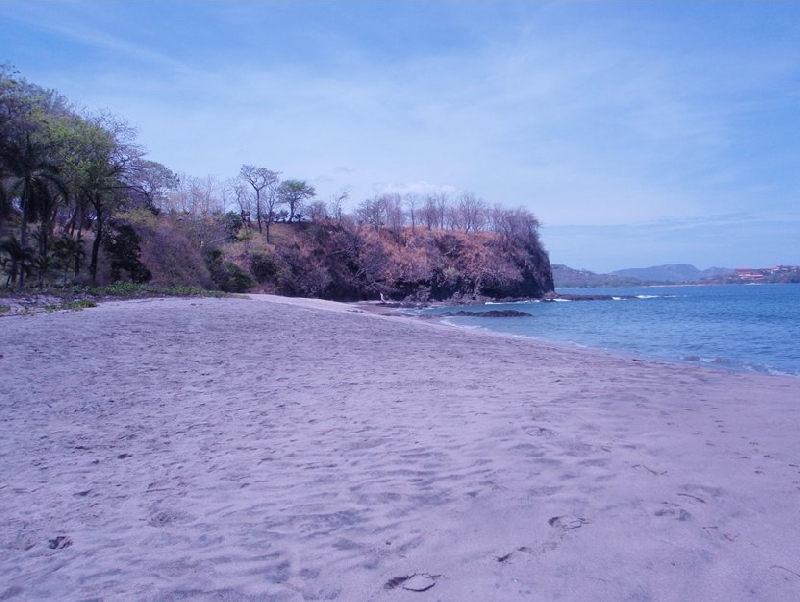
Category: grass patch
[126,290]
[80,304]
[76,298]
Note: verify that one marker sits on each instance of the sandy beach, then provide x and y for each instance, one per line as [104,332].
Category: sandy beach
[279,449]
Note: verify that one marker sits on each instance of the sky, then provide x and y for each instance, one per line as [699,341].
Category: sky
[638,133]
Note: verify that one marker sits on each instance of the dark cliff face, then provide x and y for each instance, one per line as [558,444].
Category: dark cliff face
[340,263]
[349,262]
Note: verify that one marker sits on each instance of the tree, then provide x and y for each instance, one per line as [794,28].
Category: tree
[372,212]
[516,226]
[413,204]
[336,205]
[261,180]
[429,213]
[149,184]
[107,150]
[271,200]
[196,196]
[123,245]
[15,259]
[318,211]
[31,168]
[66,253]
[294,193]
[471,212]
[244,199]
[40,186]
[395,216]
[442,202]
[232,223]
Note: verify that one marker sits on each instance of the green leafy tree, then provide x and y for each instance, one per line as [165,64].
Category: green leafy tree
[123,246]
[232,223]
[104,151]
[149,184]
[293,193]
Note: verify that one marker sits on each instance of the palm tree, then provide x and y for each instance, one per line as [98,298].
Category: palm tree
[15,259]
[35,181]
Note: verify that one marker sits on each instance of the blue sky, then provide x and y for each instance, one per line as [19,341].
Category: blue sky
[639,133]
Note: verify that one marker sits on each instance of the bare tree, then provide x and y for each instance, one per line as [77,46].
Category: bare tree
[496,218]
[260,179]
[336,205]
[395,216]
[413,204]
[207,196]
[452,218]
[442,200]
[372,212]
[243,196]
[471,212]
[517,226]
[429,213]
[317,211]
[196,196]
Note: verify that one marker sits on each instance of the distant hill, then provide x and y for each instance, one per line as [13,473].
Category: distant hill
[672,273]
[567,277]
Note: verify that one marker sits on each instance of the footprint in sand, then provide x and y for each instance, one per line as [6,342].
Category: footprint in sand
[164,518]
[672,511]
[563,523]
[60,542]
[416,582]
[717,532]
[539,431]
[567,522]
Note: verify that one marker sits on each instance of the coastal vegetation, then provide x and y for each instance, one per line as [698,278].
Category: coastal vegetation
[81,205]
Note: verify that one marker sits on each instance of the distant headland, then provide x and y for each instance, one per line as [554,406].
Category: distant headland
[674,273]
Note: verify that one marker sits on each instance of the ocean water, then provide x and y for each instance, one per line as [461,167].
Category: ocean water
[737,327]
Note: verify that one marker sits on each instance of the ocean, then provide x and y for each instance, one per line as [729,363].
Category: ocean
[736,327]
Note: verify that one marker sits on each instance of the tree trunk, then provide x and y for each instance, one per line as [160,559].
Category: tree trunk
[23,229]
[78,249]
[44,243]
[96,246]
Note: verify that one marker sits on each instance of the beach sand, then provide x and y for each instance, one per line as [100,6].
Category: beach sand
[278,449]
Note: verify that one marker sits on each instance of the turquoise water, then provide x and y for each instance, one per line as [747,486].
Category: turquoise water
[748,328]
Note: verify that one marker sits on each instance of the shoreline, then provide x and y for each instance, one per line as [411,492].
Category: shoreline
[296,449]
[721,358]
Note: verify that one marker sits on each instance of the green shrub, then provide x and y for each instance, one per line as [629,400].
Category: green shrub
[227,276]
[262,266]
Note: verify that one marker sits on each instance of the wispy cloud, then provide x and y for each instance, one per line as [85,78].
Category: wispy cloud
[593,115]
[82,28]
